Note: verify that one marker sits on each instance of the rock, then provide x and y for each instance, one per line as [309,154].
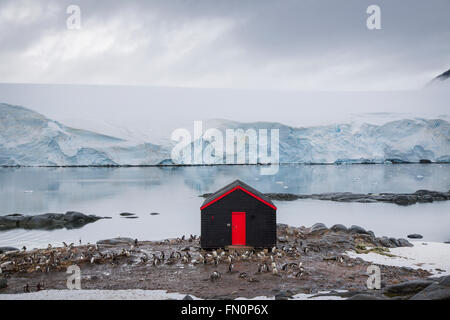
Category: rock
[187,297]
[318,227]
[357,229]
[395,242]
[404,200]
[415,236]
[385,242]
[371,234]
[366,296]
[282,239]
[406,288]
[436,291]
[283,295]
[127,214]
[404,243]
[116,241]
[7,249]
[154,213]
[339,228]
[47,221]
[425,198]
[445,281]
[3,283]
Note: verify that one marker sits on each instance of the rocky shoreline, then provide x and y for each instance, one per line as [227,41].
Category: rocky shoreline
[402,199]
[306,260]
[47,221]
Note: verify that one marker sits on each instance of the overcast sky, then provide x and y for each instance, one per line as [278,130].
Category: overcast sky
[240,44]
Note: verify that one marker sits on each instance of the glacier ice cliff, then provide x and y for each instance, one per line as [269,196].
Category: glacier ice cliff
[28,138]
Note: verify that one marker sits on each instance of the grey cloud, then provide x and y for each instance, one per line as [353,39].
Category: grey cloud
[271,44]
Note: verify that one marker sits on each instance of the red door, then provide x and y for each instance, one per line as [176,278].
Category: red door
[238,229]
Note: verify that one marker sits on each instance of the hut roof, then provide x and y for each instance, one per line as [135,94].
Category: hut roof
[238,184]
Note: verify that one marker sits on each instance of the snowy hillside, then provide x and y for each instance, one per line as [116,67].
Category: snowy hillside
[29,138]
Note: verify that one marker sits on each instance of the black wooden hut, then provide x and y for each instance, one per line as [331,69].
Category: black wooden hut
[238,215]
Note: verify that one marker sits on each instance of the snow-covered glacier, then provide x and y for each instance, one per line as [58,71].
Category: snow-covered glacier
[30,139]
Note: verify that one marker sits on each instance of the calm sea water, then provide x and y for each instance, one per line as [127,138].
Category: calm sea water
[174,193]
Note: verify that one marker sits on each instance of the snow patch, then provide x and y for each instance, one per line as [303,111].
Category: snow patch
[132,294]
[431,256]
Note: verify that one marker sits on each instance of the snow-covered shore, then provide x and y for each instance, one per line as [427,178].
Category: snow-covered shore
[133,294]
[431,256]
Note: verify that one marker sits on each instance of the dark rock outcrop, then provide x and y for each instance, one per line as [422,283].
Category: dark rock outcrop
[415,236]
[402,199]
[339,227]
[366,296]
[406,288]
[439,290]
[357,229]
[7,249]
[318,227]
[47,221]
[127,214]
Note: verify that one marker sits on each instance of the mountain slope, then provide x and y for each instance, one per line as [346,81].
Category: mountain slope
[441,79]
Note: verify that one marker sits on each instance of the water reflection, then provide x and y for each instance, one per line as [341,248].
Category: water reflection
[174,193]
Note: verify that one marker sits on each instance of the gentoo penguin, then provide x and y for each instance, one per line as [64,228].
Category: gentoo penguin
[24,248]
[275,271]
[144,258]
[299,274]
[214,276]
[230,267]
[40,286]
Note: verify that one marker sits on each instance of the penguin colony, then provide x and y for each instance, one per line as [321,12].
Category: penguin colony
[58,259]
